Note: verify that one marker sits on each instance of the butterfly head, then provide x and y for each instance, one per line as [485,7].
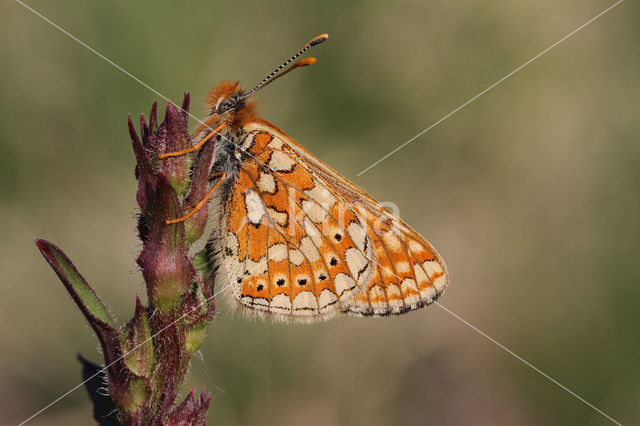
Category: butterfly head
[226,98]
[227,102]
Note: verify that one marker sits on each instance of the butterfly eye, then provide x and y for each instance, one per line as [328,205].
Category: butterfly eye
[225,105]
[232,103]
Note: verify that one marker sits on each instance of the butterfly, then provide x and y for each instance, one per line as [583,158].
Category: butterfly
[294,239]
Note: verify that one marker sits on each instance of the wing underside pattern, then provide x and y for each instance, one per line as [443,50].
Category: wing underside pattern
[301,242]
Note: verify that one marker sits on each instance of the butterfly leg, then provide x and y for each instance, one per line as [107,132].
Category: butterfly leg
[202,202]
[196,146]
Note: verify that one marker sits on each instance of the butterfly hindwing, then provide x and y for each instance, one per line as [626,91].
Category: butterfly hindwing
[302,242]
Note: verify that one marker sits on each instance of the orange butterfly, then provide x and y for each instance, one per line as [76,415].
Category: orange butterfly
[293,238]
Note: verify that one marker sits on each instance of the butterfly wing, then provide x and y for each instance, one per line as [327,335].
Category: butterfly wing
[299,241]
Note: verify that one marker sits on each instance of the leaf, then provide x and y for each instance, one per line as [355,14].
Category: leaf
[84,296]
[128,390]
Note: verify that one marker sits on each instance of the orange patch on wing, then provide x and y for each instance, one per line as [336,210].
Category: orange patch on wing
[394,296]
[260,142]
[437,275]
[378,298]
[300,275]
[278,261]
[362,299]
[424,253]
[255,286]
[257,241]
[299,178]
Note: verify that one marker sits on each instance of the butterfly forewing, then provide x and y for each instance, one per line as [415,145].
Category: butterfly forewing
[303,242]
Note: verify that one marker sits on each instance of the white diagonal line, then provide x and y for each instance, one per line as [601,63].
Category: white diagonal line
[500,345]
[225,288]
[123,355]
[524,361]
[490,87]
[101,56]
[503,347]
[228,286]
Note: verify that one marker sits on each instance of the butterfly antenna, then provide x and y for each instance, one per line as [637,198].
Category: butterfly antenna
[304,62]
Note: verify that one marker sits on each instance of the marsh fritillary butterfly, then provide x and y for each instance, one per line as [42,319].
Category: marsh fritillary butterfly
[296,240]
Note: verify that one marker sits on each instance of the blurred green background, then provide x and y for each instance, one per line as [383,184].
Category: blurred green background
[531,194]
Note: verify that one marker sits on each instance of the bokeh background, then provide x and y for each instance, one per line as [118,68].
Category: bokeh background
[531,194]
